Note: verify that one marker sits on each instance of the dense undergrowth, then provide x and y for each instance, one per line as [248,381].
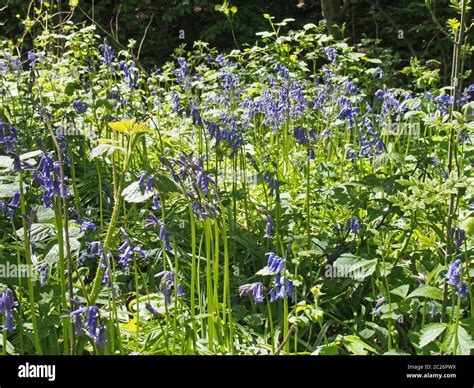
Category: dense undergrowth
[280,199]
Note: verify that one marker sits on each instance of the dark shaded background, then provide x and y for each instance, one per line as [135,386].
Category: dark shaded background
[376,22]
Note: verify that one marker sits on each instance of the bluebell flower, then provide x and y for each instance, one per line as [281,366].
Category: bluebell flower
[17,165]
[164,236]
[353,224]
[151,309]
[331,53]
[459,236]
[156,204]
[254,289]
[269,226]
[275,263]
[43,274]
[379,72]
[378,306]
[462,289]
[85,224]
[151,221]
[454,273]
[79,106]
[15,201]
[107,53]
[100,339]
[283,286]
[167,285]
[7,302]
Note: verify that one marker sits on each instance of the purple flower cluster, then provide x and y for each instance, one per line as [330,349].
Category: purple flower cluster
[9,208]
[8,137]
[282,284]
[167,285]
[127,250]
[453,277]
[459,236]
[89,319]
[107,54]
[47,177]
[255,289]
[190,174]
[7,302]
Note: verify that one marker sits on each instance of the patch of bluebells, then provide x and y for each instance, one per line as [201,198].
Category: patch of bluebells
[282,284]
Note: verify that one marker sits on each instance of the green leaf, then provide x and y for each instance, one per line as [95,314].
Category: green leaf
[39,232]
[326,350]
[105,148]
[52,256]
[428,292]
[356,346]
[464,341]
[431,332]
[8,189]
[401,291]
[166,185]
[135,194]
[348,265]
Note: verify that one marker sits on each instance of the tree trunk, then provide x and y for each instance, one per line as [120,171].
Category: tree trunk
[334,12]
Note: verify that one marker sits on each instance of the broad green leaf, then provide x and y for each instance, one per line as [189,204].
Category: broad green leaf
[348,265]
[464,341]
[105,149]
[8,189]
[166,185]
[401,291]
[331,349]
[52,256]
[39,232]
[356,346]
[428,292]
[431,332]
[135,194]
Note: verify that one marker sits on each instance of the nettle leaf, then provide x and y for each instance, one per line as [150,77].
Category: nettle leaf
[39,232]
[135,194]
[428,292]
[105,149]
[431,332]
[348,265]
[464,341]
